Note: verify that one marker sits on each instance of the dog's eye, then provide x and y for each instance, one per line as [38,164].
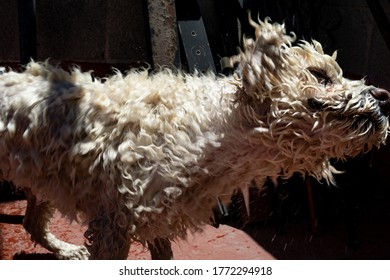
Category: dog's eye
[315,104]
[321,77]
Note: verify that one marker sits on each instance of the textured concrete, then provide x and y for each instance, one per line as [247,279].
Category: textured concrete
[164,34]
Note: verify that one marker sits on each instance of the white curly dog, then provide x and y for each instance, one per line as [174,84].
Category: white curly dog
[143,157]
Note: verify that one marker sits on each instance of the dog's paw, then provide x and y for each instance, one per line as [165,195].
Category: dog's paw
[73,252]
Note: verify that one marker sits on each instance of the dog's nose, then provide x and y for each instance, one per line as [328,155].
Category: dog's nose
[383,97]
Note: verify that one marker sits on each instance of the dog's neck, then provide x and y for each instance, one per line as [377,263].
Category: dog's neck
[223,169]
[235,163]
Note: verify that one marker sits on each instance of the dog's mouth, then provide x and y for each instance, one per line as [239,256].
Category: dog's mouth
[368,123]
[362,122]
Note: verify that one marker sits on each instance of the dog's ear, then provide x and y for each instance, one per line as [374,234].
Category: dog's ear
[262,58]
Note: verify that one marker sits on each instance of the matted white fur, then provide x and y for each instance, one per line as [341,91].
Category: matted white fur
[144,156]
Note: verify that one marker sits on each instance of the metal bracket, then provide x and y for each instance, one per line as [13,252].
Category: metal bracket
[194,38]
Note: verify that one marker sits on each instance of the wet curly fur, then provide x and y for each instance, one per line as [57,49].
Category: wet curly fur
[143,157]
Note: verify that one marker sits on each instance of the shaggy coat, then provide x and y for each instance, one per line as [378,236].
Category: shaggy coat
[142,157]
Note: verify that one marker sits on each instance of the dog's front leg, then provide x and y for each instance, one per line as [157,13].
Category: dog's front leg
[160,249]
[36,222]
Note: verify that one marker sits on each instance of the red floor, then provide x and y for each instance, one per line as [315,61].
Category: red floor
[223,243]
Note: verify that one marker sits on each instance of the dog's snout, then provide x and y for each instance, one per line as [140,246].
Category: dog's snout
[383,97]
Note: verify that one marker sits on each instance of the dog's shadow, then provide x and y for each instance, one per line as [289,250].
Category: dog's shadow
[352,219]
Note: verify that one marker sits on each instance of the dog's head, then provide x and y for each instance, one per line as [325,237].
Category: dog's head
[300,102]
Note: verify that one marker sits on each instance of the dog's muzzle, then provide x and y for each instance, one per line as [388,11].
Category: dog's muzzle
[383,98]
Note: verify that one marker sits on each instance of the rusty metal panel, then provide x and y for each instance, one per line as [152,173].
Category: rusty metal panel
[163,30]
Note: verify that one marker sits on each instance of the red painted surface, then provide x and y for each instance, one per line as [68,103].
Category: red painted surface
[223,243]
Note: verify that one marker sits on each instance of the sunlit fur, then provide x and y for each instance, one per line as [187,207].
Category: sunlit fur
[144,156]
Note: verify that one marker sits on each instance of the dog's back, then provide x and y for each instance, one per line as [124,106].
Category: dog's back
[69,137]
